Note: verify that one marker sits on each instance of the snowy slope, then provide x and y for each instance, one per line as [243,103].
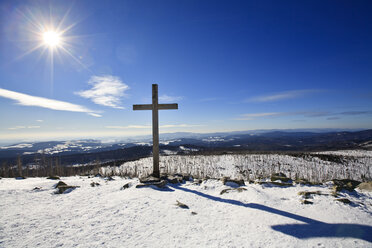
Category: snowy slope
[106,216]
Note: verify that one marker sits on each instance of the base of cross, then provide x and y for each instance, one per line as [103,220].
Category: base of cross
[164,179]
[150,179]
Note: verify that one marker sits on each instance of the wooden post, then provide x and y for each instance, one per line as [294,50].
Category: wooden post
[155,131]
[155,106]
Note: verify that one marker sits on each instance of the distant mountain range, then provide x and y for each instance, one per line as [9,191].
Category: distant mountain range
[85,151]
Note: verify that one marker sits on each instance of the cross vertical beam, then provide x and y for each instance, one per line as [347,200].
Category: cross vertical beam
[155,131]
[155,106]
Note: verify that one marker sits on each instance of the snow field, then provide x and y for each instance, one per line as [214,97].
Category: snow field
[106,216]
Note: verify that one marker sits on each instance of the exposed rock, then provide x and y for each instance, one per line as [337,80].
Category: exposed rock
[307,194]
[36,189]
[182,205]
[53,177]
[260,182]
[233,189]
[184,177]
[150,179]
[109,178]
[63,187]
[174,179]
[98,175]
[278,183]
[206,178]
[344,200]
[126,186]
[160,184]
[232,182]
[366,186]
[306,202]
[303,181]
[194,213]
[93,184]
[280,176]
[345,184]
[335,194]
[60,183]
[197,181]
[188,178]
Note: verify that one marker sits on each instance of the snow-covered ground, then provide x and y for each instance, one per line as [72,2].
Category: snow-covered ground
[107,216]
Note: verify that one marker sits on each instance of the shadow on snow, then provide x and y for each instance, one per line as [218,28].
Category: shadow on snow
[312,228]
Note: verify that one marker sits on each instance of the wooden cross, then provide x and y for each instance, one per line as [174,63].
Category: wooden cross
[155,106]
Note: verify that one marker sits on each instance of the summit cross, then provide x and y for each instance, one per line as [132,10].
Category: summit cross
[155,107]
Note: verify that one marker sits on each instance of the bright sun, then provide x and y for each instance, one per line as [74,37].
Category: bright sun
[51,38]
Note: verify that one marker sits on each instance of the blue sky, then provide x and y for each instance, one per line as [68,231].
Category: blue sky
[230,65]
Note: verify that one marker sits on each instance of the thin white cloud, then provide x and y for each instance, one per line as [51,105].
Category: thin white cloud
[33,127]
[94,114]
[149,126]
[39,120]
[23,127]
[42,102]
[129,127]
[106,90]
[307,114]
[280,96]
[179,125]
[170,99]
[16,127]
[258,115]
[310,114]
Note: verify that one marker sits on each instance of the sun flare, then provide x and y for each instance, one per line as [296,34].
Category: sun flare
[51,38]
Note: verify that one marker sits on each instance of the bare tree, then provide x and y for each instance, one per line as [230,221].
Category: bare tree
[19,166]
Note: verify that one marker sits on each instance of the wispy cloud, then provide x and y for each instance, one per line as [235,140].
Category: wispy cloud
[180,125]
[106,90]
[39,120]
[94,114]
[356,113]
[23,127]
[280,96]
[129,127]
[32,127]
[333,118]
[308,114]
[258,115]
[170,99]
[42,102]
[16,127]
[313,113]
[149,126]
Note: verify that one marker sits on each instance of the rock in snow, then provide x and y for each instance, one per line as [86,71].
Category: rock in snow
[366,186]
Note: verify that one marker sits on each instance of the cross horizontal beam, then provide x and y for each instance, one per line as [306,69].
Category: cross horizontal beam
[160,106]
